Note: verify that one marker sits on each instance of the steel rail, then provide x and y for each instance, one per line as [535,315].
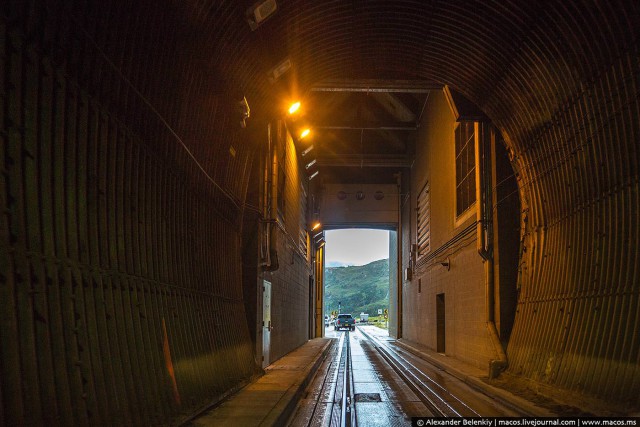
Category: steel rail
[337,387]
[344,416]
[347,413]
[433,399]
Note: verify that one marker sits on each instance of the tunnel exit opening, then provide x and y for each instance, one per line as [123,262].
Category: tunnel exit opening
[360,277]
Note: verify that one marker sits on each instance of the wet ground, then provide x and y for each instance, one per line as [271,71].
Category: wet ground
[376,380]
[384,395]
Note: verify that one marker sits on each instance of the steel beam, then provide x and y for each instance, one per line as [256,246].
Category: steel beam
[365,127]
[373,85]
[366,161]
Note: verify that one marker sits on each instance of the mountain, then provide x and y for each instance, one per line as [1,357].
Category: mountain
[336,264]
[359,288]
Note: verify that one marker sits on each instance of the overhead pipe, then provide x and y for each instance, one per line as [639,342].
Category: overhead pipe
[265,259]
[273,203]
[484,227]
[269,220]
[269,249]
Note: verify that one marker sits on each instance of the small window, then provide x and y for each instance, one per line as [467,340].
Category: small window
[465,167]
[424,220]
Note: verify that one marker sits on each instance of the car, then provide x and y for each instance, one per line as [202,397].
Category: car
[345,321]
[326,321]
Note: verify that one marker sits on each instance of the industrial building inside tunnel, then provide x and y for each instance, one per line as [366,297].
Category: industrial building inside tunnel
[170,168]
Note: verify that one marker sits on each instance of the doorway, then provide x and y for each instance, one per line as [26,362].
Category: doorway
[266,322]
[360,277]
[440,322]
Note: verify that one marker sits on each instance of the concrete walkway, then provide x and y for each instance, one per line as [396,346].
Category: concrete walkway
[270,400]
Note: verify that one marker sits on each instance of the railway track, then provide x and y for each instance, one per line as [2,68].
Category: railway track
[442,393]
[344,413]
[330,401]
[440,401]
[404,385]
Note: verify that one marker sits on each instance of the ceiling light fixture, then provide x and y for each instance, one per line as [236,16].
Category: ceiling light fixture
[279,70]
[294,107]
[311,163]
[307,151]
[305,133]
[313,175]
[259,12]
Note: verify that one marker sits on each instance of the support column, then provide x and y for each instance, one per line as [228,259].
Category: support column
[319,291]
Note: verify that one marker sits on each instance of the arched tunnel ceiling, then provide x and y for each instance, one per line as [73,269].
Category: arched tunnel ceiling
[559,78]
[521,62]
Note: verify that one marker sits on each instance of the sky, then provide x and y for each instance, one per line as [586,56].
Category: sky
[355,246]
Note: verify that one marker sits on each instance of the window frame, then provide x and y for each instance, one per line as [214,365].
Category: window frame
[471,173]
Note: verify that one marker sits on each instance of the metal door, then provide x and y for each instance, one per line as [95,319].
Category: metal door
[266,322]
[440,323]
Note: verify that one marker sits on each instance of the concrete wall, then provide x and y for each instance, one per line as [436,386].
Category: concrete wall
[290,288]
[347,205]
[463,285]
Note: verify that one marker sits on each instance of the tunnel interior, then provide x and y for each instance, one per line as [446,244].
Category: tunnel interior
[153,182]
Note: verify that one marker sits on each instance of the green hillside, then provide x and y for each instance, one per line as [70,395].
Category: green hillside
[359,288]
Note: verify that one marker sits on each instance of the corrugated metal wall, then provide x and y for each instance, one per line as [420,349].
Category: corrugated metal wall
[116,305]
[560,79]
[578,321]
[577,160]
